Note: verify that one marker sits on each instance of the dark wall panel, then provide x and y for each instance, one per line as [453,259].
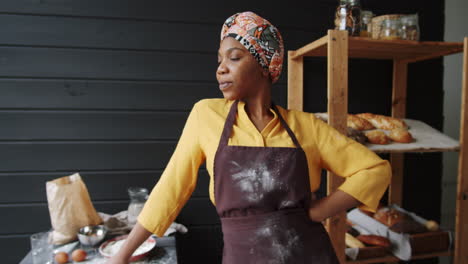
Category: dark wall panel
[110,95]
[84,155]
[14,248]
[91,125]
[106,64]
[105,185]
[97,33]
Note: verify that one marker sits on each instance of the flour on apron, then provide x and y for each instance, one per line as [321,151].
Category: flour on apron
[255,180]
[283,241]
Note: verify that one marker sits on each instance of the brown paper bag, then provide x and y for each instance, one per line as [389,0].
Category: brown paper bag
[70,208]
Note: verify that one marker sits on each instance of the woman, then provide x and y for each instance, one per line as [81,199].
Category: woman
[264,161]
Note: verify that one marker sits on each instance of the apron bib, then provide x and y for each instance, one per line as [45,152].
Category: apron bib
[262,197]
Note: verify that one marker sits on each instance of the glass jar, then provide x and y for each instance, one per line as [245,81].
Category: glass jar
[410,27]
[348,17]
[138,197]
[391,29]
[366,27]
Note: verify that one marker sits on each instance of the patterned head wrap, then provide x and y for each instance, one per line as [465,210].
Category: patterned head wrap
[259,37]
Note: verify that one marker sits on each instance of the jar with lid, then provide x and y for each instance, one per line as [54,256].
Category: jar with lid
[348,17]
[391,29]
[366,27]
[138,197]
[410,27]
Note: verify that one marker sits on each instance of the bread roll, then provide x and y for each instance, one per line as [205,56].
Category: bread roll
[353,242]
[383,122]
[401,135]
[374,240]
[377,137]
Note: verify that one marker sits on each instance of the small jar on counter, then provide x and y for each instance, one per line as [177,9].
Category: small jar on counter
[138,197]
[366,27]
[348,17]
[410,27]
[391,29]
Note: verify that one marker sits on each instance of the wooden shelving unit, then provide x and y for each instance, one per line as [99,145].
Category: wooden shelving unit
[338,47]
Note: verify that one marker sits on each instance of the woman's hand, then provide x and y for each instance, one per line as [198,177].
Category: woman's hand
[331,205]
[136,237]
[117,260]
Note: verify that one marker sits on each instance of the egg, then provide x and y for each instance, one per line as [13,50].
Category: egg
[61,257]
[79,255]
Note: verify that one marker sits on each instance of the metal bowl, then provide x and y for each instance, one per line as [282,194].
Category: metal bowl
[92,235]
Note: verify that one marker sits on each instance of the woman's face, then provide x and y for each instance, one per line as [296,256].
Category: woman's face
[238,73]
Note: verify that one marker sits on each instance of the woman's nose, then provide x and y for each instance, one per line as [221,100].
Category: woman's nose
[221,68]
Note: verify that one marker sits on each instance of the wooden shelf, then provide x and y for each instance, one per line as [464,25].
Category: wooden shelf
[366,48]
[391,258]
[338,47]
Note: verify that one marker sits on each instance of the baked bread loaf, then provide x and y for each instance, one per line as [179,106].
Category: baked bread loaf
[383,122]
[374,240]
[389,216]
[401,135]
[358,123]
[377,137]
[398,221]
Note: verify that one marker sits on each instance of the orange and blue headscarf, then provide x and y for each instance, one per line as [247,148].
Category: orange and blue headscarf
[260,38]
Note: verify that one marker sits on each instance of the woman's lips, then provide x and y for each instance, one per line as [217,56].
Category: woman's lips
[224,85]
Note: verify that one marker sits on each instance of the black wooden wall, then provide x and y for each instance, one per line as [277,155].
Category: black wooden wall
[104,87]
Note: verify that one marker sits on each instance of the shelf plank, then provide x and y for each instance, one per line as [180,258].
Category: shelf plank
[399,87]
[391,258]
[316,48]
[295,82]
[368,48]
[337,80]
[461,236]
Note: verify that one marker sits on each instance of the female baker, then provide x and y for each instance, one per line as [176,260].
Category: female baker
[264,161]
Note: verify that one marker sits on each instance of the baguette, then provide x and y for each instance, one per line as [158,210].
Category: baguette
[400,135]
[358,123]
[383,122]
[377,137]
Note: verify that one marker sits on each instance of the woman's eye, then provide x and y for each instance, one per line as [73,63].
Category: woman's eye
[235,59]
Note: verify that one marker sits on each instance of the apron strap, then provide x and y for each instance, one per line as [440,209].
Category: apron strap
[285,125]
[232,116]
[229,124]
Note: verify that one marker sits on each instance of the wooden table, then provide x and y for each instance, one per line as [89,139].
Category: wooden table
[164,253]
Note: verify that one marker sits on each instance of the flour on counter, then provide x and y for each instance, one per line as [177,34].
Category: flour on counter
[113,247]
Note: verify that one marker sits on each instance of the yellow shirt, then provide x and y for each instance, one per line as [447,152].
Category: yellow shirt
[366,174]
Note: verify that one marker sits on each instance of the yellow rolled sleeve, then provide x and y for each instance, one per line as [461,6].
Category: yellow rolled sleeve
[177,182]
[367,176]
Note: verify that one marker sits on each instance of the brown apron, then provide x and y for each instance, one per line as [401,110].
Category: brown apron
[262,197]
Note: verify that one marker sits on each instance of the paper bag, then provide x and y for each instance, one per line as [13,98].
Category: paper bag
[70,208]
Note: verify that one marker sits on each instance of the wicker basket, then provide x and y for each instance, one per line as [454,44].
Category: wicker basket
[377,23]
